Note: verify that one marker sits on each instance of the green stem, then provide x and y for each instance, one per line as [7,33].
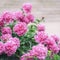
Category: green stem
[21,51]
[17,56]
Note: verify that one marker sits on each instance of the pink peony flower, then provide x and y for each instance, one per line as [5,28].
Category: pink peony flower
[51,45]
[50,42]
[54,48]
[20,28]
[40,27]
[10,48]
[26,20]
[7,17]
[16,40]
[1,47]
[26,56]
[5,37]
[41,37]
[19,16]
[27,7]
[6,30]
[55,37]
[39,51]
[30,17]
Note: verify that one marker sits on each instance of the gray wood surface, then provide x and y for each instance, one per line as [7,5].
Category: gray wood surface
[50,9]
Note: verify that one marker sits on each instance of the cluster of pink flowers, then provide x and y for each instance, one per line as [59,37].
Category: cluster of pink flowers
[26,15]
[9,44]
[51,42]
[16,24]
[39,51]
[45,43]
[23,16]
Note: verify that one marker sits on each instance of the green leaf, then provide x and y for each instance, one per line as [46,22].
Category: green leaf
[35,58]
[56,57]
[48,58]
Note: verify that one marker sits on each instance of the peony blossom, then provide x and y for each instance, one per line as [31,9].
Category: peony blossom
[16,40]
[26,56]
[51,45]
[41,37]
[6,30]
[5,37]
[55,37]
[10,48]
[30,17]
[7,17]
[20,28]
[39,51]
[54,48]
[27,7]
[50,41]
[40,27]
[26,20]
[19,16]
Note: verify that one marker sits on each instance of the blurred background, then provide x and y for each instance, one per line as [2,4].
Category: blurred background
[50,9]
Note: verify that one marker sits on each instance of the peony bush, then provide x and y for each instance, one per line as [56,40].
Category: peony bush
[23,37]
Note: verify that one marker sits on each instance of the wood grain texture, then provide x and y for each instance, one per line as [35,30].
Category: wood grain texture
[50,9]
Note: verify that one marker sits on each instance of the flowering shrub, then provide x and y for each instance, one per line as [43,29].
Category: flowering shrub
[22,37]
